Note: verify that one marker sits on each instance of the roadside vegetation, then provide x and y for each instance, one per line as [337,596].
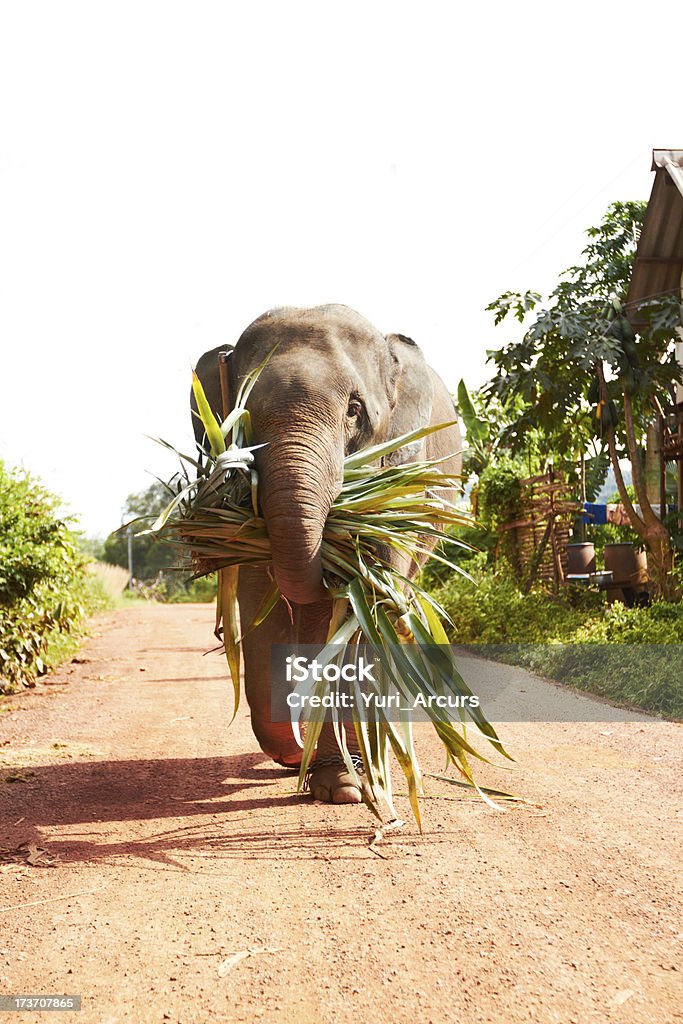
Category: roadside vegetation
[565,637]
[46,590]
[581,386]
[576,391]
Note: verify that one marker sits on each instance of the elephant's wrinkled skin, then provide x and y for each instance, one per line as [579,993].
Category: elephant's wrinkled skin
[333,385]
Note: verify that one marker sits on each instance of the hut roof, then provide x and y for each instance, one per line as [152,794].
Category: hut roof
[658,265]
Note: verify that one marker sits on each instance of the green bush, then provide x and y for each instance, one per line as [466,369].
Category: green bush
[500,491]
[493,609]
[174,588]
[622,654]
[44,587]
[201,591]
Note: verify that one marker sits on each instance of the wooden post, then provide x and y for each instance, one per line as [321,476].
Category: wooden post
[679,419]
[224,377]
[582,528]
[662,468]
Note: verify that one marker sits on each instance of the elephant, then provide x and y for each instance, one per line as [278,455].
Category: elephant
[332,385]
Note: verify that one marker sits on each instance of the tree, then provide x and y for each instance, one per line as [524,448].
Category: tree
[584,376]
[150,556]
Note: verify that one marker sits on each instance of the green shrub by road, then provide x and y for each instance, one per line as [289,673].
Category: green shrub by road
[575,638]
[45,589]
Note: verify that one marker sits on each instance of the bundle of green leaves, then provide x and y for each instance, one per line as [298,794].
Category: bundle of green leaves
[214,515]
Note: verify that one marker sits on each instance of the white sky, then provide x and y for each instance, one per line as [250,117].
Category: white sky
[169,171]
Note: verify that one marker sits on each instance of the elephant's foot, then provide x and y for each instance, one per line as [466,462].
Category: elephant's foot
[328,777]
[329,780]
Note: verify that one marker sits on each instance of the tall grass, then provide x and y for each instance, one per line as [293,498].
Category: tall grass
[112,578]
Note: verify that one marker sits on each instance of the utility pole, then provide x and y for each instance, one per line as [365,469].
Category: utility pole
[130,557]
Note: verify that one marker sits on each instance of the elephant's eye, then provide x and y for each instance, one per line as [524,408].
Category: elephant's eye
[355,408]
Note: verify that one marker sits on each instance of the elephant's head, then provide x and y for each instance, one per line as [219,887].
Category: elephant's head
[332,385]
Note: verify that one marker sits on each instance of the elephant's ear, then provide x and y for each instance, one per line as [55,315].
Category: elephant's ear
[209,374]
[413,397]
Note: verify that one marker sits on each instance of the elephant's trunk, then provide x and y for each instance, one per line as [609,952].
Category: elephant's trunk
[297,485]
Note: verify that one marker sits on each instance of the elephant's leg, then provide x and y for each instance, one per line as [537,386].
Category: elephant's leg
[276,739]
[331,782]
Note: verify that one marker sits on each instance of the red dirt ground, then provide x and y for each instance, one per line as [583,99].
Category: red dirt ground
[184,880]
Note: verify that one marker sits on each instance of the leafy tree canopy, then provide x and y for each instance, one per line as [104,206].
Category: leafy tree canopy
[581,325]
[149,555]
[580,376]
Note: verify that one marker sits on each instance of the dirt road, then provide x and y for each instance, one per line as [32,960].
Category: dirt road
[183,879]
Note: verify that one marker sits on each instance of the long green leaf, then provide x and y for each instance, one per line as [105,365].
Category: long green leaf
[209,421]
[378,451]
[477,428]
[227,588]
